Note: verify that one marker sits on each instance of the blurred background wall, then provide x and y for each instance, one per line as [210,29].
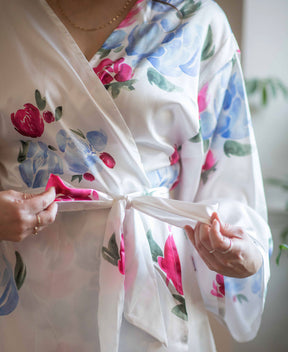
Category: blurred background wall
[261,28]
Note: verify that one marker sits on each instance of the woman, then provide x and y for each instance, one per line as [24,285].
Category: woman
[114,270]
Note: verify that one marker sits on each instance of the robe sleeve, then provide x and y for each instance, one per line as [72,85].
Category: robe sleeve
[230,176]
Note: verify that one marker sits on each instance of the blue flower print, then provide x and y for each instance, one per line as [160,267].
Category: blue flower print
[114,40]
[144,39]
[8,291]
[80,152]
[179,52]
[37,164]
[233,121]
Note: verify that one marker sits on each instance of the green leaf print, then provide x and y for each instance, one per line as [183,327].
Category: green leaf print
[117,50]
[52,148]
[196,139]
[115,87]
[78,132]
[189,8]
[180,309]
[206,173]
[154,77]
[23,152]
[208,50]
[76,177]
[41,102]
[104,52]
[111,254]
[19,271]
[58,113]
[236,148]
[156,251]
[241,298]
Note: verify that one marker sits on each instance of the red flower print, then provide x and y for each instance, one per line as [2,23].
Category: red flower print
[109,70]
[121,261]
[218,286]
[209,162]
[175,184]
[88,177]
[174,158]
[170,264]
[202,98]
[48,116]
[130,18]
[107,160]
[28,121]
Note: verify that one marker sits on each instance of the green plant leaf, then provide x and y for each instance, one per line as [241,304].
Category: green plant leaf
[155,250]
[76,177]
[277,182]
[236,148]
[23,152]
[78,132]
[154,77]
[281,248]
[40,101]
[251,86]
[208,50]
[19,271]
[58,113]
[264,95]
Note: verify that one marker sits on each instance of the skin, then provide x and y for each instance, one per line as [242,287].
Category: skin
[19,215]
[242,260]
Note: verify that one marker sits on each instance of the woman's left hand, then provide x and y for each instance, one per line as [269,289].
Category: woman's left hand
[225,249]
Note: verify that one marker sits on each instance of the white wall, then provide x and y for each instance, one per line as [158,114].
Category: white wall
[265,54]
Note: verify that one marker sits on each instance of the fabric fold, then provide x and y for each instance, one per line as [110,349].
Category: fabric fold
[173,212]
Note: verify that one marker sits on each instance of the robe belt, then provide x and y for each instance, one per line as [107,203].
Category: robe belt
[132,297]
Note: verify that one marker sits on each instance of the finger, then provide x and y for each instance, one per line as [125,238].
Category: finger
[219,242]
[190,233]
[204,236]
[44,218]
[41,201]
[48,215]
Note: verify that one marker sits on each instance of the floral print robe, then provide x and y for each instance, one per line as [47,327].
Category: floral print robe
[160,107]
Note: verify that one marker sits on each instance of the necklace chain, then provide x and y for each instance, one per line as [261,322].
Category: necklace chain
[101,26]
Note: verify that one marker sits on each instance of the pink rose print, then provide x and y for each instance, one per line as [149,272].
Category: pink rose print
[218,286]
[202,98]
[64,193]
[109,70]
[209,162]
[130,18]
[121,261]
[107,160]
[28,121]
[170,264]
[48,116]
[88,177]
[174,158]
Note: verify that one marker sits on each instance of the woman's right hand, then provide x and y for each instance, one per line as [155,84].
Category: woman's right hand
[22,214]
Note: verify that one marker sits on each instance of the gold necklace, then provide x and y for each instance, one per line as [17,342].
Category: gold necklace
[101,26]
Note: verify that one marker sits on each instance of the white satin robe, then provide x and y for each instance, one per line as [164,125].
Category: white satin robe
[68,289]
